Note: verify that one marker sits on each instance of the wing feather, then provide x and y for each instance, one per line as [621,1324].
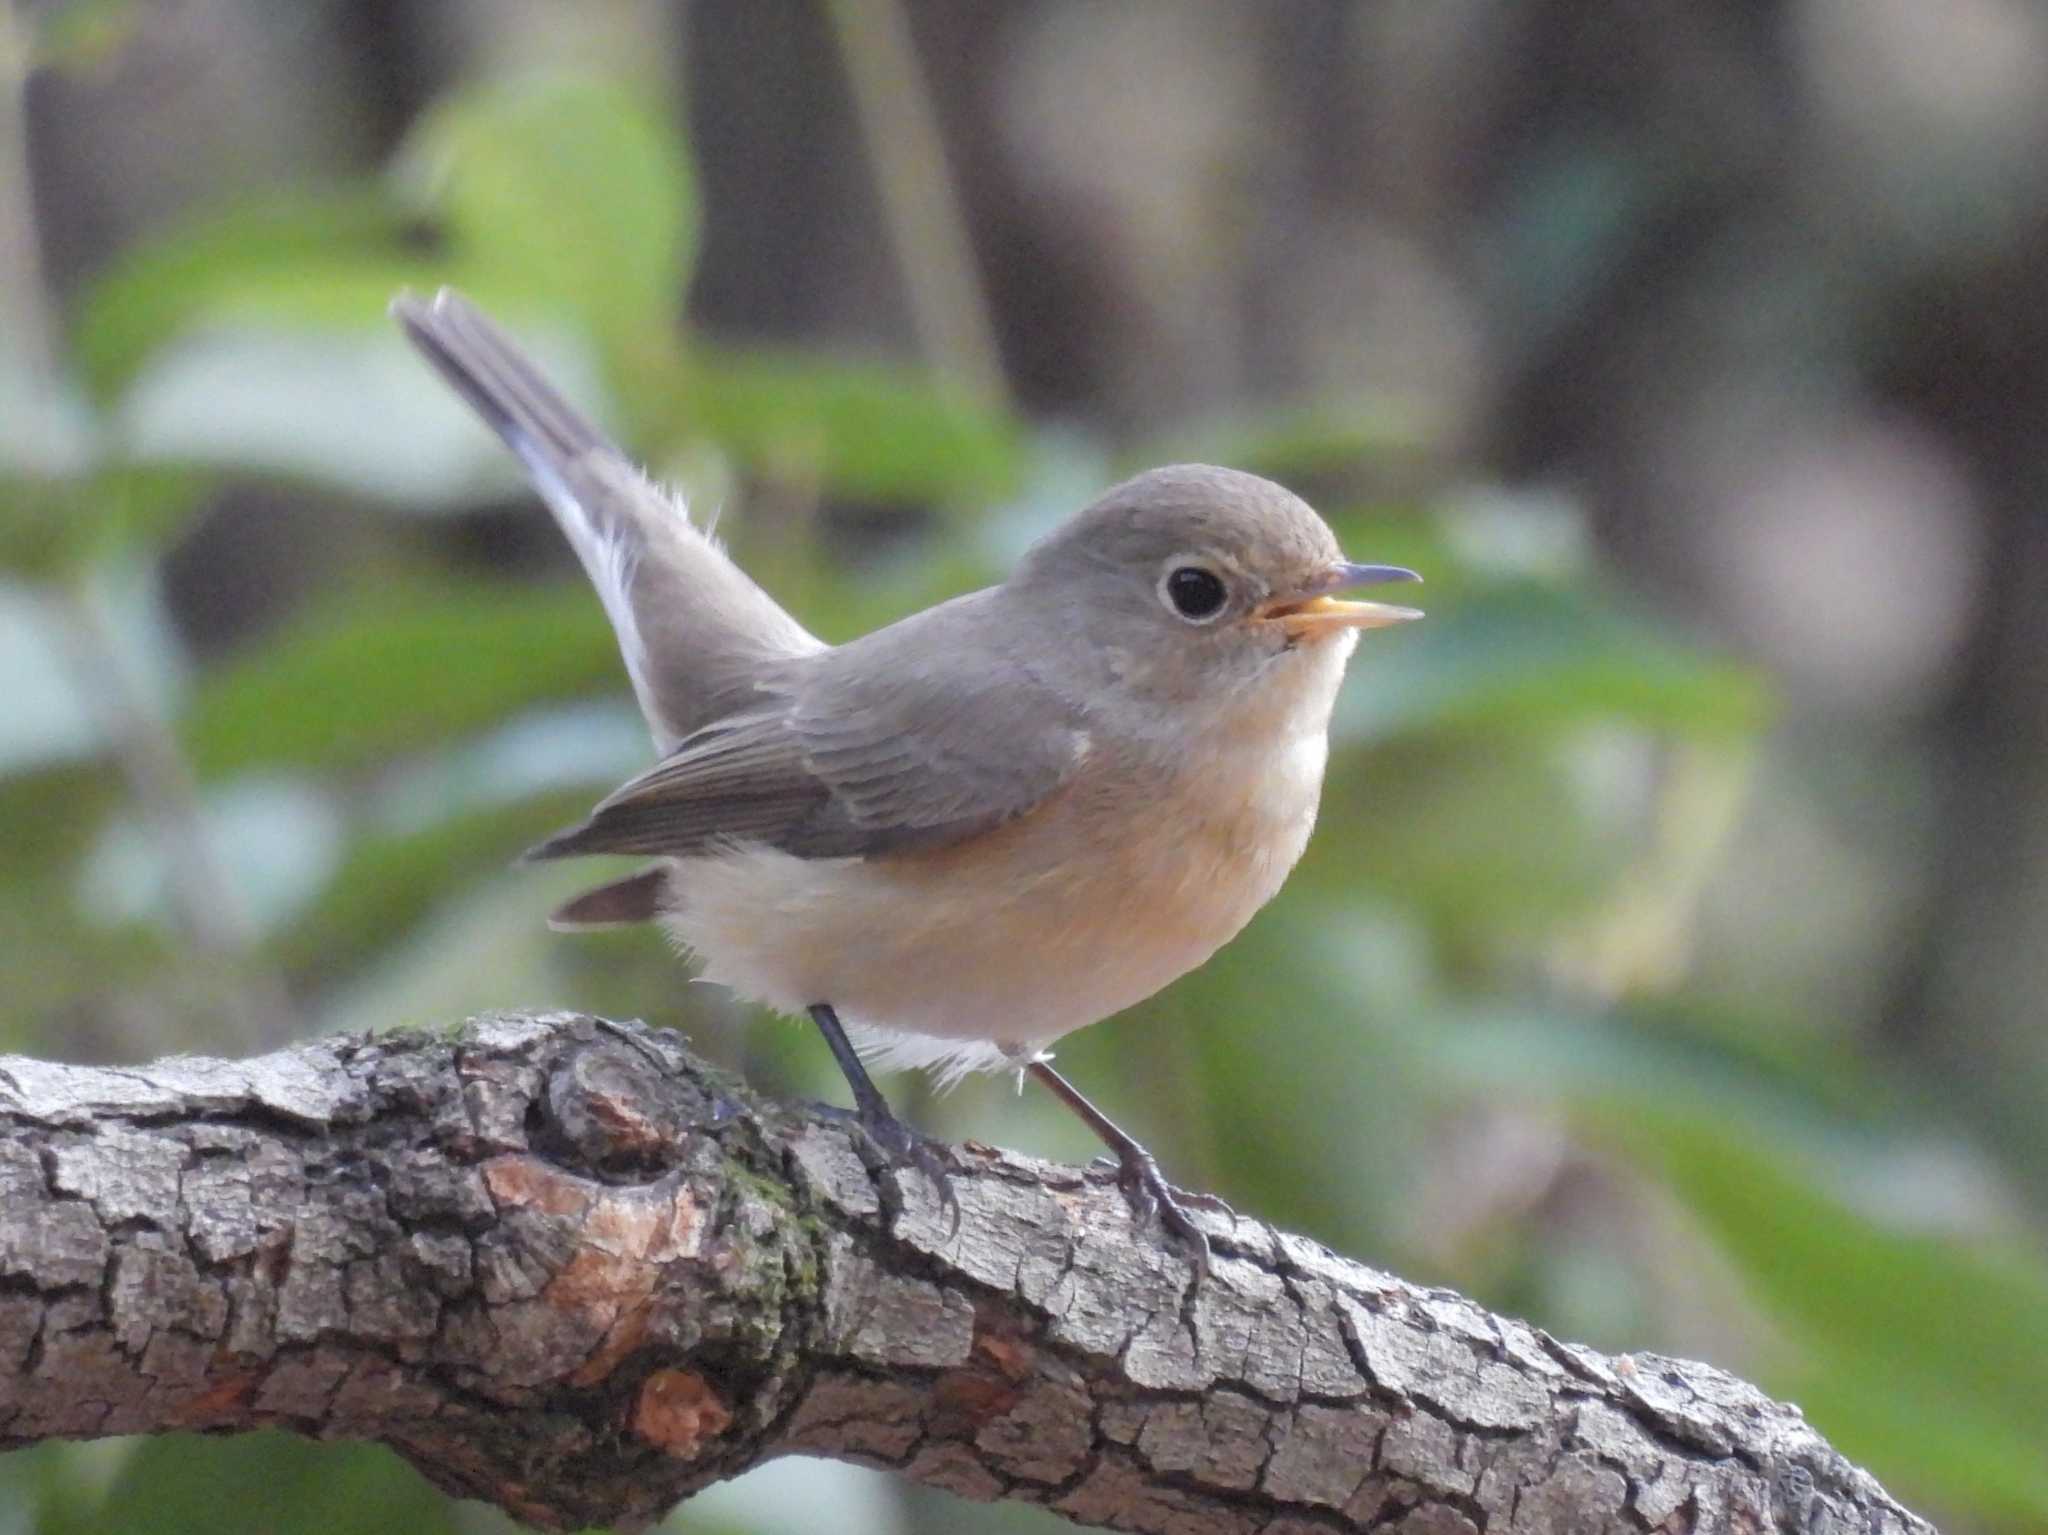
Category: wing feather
[854,758]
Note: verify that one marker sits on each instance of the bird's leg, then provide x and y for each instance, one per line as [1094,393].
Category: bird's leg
[890,1134]
[1145,1190]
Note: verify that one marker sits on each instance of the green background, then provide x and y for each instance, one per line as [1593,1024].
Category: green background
[1667,964]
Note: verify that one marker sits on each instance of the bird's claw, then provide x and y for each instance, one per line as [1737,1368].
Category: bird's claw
[903,1146]
[1215,1204]
[1152,1198]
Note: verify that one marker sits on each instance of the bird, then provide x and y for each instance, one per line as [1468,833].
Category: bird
[959,838]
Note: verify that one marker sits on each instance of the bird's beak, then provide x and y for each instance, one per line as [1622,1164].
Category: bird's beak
[1312,610]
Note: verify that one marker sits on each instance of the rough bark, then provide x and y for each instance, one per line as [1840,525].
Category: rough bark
[562,1266]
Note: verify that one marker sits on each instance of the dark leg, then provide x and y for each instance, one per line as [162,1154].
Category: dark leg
[1147,1193]
[883,1128]
[867,1098]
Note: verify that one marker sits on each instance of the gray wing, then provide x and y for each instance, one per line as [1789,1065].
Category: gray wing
[694,629]
[898,742]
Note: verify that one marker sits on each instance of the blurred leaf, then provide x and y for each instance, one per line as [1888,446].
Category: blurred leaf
[49,442]
[570,189]
[47,426]
[1665,1060]
[88,984]
[546,195]
[185,1484]
[1775,1047]
[275,840]
[54,527]
[52,1488]
[1527,657]
[1889,1327]
[356,410]
[838,609]
[81,35]
[333,257]
[1916,1353]
[1494,849]
[787,1497]
[39,531]
[141,506]
[1290,442]
[51,814]
[389,882]
[1307,1019]
[863,430]
[365,675]
[486,947]
[49,718]
[1392,536]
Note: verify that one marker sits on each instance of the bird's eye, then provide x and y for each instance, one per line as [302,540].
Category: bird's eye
[1194,592]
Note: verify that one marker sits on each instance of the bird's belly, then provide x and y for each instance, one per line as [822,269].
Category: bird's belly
[1016,937]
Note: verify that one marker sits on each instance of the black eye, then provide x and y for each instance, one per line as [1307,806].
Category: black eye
[1194,593]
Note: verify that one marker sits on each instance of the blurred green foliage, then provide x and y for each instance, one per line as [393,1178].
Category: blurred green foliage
[1507,816]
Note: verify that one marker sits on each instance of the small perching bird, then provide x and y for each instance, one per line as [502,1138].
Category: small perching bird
[960,837]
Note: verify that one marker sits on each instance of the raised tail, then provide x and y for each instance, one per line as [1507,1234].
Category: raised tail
[695,631]
[500,383]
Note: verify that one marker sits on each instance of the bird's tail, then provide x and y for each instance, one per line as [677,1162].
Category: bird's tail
[500,383]
[695,630]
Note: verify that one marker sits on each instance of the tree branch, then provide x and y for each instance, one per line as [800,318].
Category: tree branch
[561,1265]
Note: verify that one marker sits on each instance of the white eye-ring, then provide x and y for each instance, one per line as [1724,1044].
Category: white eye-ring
[1193,592]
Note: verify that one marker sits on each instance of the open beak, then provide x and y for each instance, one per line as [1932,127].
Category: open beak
[1313,610]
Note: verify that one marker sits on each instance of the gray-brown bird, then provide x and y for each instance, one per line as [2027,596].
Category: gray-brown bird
[960,837]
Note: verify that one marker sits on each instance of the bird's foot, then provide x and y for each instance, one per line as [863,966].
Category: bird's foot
[902,1146]
[895,1141]
[1152,1198]
[1149,1195]
[1215,1204]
